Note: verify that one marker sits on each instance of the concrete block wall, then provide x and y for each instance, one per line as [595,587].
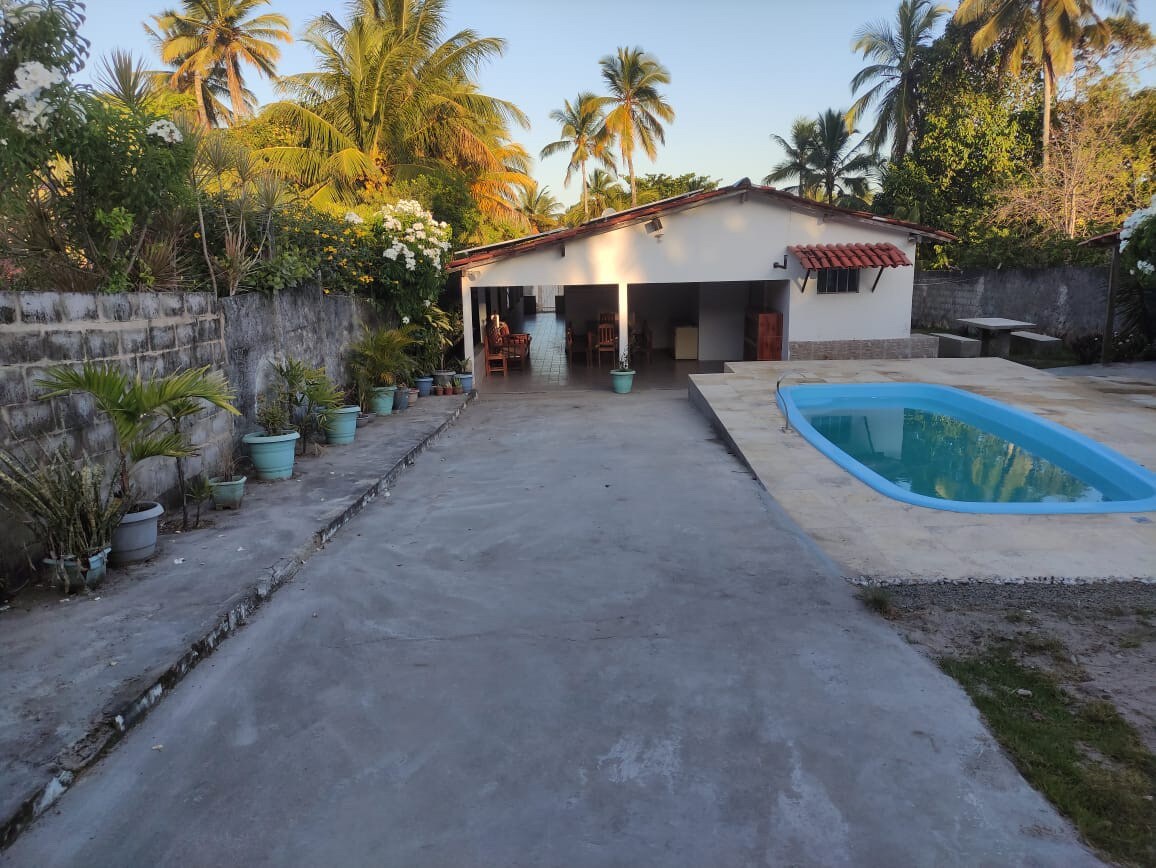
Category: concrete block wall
[1065,302]
[913,347]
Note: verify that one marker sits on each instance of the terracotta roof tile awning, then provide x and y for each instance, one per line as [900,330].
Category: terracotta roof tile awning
[815,256]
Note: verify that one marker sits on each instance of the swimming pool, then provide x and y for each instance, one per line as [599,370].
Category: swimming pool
[944,448]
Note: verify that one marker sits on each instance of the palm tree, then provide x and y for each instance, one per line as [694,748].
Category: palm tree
[538,208]
[605,191]
[840,168]
[797,163]
[207,36]
[894,71]
[633,77]
[1045,31]
[392,94]
[584,136]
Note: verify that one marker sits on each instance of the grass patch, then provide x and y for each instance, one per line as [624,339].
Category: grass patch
[878,600]
[1083,756]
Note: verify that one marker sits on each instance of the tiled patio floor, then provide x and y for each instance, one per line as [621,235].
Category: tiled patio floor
[550,370]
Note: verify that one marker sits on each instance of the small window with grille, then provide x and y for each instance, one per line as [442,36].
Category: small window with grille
[836,280]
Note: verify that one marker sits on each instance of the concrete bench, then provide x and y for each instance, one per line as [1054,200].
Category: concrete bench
[957,346]
[1036,343]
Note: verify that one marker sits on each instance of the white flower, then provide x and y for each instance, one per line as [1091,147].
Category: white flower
[352,217]
[427,302]
[391,253]
[165,130]
[1144,267]
[405,320]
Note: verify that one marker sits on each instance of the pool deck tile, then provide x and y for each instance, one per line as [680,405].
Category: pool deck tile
[880,540]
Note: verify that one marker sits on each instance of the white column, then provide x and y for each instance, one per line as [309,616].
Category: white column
[623,320]
[467,322]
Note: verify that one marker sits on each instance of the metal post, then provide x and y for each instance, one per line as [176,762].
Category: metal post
[1110,314]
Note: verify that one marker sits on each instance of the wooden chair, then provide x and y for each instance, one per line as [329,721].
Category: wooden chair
[576,346]
[495,356]
[517,349]
[607,342]
[607,317]
[643,344]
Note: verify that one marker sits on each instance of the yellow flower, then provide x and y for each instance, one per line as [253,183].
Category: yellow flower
[196,234]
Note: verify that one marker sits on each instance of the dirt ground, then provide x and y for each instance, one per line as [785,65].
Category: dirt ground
[1098,640]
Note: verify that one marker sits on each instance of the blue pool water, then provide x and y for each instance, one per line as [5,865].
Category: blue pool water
[946,448]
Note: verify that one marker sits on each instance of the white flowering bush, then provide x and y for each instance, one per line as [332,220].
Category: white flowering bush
[1138,244]
[414,251]
[166,131]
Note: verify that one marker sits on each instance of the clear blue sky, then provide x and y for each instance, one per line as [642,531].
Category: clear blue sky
[741,69]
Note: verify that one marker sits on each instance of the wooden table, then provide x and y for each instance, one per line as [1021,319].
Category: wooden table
[995,332]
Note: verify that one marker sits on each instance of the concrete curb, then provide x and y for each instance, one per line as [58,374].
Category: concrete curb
[111,728]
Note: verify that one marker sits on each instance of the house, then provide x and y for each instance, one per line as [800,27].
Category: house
[700,267]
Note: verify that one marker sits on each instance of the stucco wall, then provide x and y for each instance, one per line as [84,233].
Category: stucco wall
[1064,301]
[725,240]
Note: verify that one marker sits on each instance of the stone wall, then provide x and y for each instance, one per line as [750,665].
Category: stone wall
[913,347]
[154,334]
[1065,302]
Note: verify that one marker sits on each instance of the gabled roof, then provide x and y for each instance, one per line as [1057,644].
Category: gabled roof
[880,255]
[641,213]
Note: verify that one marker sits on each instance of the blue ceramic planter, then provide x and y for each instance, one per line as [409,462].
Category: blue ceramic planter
[401,399]
[272,456]
[381,402]
[341,425]
[467,382]
[424,386]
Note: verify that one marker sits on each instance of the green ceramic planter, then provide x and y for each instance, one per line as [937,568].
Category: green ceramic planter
[381,402]
[272,456]
[622,381]
[73,574]
[341,425]
[227,494]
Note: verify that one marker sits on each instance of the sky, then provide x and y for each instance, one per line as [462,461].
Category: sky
[740,69]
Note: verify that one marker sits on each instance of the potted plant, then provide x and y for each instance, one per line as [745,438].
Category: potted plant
[69,509]
[458,388]
[467,376]
[227,490]
[142,414]
[341,424]
[401,397]
[273,451]
[375,362]
[622,377]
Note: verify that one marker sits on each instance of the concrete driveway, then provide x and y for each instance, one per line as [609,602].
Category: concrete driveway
[577,634]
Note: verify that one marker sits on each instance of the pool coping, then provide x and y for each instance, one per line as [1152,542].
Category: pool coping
[966,400]
[878,540]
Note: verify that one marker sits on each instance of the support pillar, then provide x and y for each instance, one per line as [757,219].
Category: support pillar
[467,323]
[623,320]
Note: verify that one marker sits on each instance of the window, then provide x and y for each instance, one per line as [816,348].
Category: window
[832,280]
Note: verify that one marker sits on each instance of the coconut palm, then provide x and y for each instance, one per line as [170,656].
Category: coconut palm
[1045,31]
[797,162]
[894,72]
[538,208]
[841,169]
[605,191]
[392,94]
[203,37]
[633,78]
[583,136]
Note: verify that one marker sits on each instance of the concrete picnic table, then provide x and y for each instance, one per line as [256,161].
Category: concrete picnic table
[995,332]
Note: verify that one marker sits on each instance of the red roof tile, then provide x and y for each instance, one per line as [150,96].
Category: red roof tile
[813,256]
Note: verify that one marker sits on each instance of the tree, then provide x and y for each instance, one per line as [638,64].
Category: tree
[584,136]
[633,78]
[895,72]
[394,98]
[654,187]
[540,210]
[205,37]
[1045,31]
[840,168]
[797,162]
[605,191]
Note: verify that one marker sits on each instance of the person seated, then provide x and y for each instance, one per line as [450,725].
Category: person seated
[497,331]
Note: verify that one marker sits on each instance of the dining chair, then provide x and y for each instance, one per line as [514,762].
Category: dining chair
[495,356]
[607,342]
[577,346]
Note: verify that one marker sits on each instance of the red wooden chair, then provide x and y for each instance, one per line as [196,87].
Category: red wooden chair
[606,342]
[495,356]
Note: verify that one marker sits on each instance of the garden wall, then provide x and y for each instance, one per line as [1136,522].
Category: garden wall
[155,334]
[1065,301]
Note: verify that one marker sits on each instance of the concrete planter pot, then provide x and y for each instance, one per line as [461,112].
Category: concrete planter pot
[622,381]
[424,384]
[443,378]
[401,400]
[341,425]
[364,419]
[273,456]
[73,573]
[227,493]
[135,538]
[381,402]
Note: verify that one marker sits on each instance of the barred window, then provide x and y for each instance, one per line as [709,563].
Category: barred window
[832,280]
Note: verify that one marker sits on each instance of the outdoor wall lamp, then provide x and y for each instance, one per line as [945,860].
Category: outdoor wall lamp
[782,264]
[653,226]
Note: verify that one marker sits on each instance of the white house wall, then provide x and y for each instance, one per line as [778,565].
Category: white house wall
[730,240]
